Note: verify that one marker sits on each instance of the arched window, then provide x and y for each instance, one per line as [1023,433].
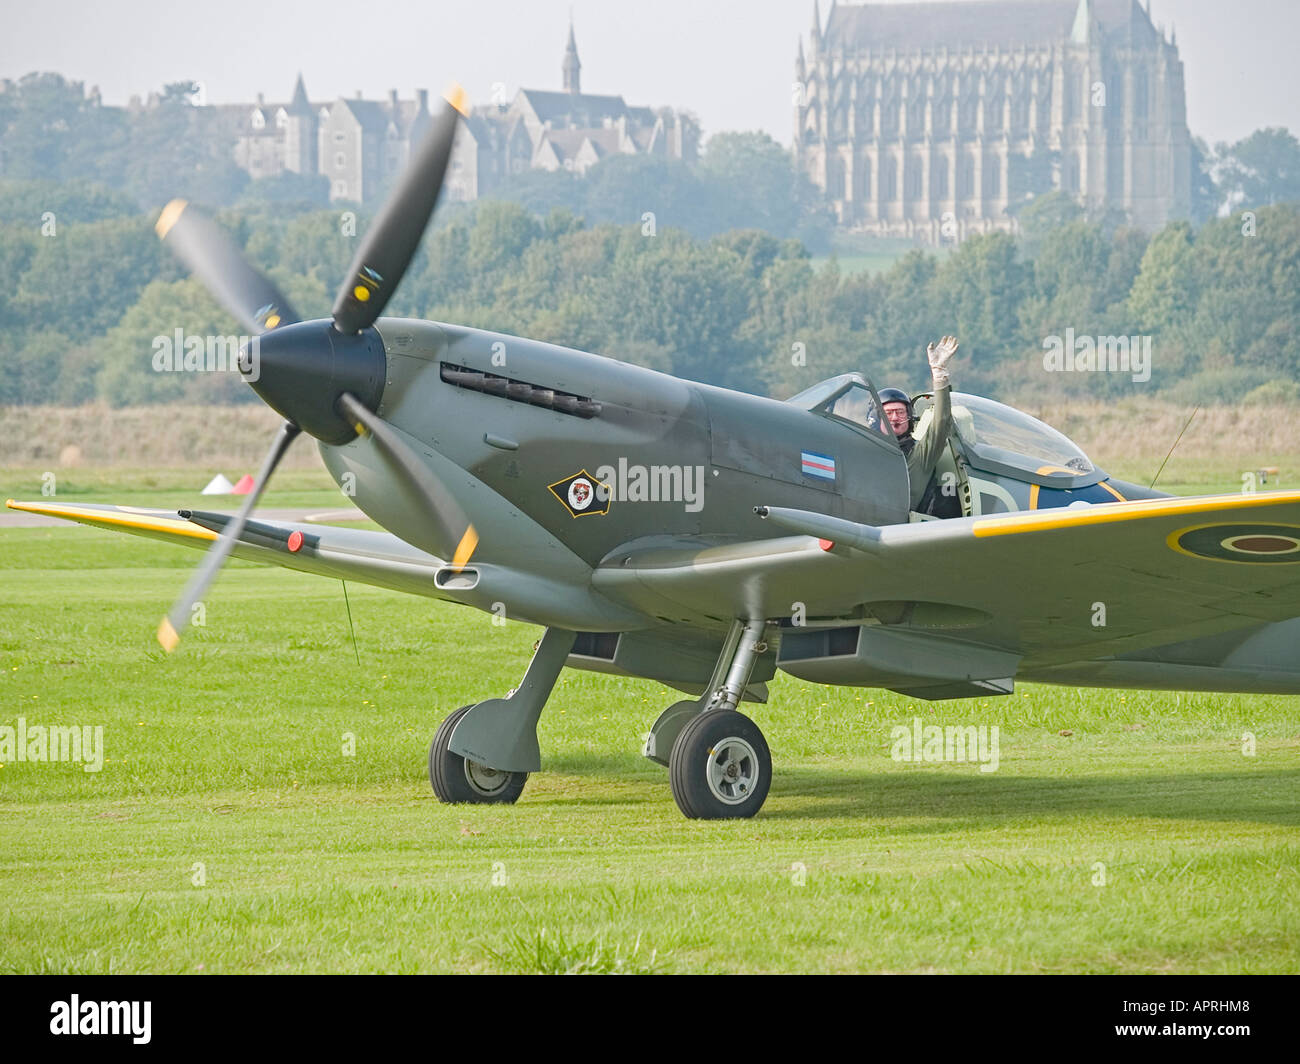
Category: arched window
[993,177]
[915,186]
[966,176]
[939,177]
[1071,89]
[1140,101]
[889,178]
[1072,173]
[889,116]
[916,111]
[1115,93]
[1019,112]
[835,178]
[993,107]
[967,109]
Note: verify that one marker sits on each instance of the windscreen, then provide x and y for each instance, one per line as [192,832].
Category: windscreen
[981,422]
[848,397]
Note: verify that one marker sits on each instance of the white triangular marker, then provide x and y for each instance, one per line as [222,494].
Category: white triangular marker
[218,485]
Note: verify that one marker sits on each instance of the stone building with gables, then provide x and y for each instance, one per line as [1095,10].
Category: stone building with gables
[567,130]
[931,120]
[277,137]
[365,144]
[361,145]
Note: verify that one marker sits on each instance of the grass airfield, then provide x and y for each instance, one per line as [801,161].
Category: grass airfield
[229,832]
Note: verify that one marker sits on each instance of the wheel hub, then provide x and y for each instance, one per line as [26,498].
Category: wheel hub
[484,779]
[733,771]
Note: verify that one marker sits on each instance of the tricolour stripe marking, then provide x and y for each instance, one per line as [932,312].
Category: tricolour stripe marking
[818,465]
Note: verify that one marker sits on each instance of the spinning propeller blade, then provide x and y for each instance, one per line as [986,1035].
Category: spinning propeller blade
[390,242]
[200,243]
[174,623]
[443,513]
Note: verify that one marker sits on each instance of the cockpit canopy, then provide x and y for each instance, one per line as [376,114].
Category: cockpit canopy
[848,397]
[991,435]
[1002,439]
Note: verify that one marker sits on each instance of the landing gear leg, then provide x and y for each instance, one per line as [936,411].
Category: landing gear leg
[664,731]
[484,752]
[720,765]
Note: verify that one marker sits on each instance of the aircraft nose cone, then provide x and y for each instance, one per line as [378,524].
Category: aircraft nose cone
[300,371]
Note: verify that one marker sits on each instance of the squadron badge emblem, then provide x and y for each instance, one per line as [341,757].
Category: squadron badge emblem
[582,494]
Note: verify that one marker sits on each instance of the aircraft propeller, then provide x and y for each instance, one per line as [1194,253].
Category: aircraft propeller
[316,374]
[169,631]
[442,512]
[390,242]
[199,242]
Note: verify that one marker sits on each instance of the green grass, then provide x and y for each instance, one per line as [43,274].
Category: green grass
[167,489]
[229,755]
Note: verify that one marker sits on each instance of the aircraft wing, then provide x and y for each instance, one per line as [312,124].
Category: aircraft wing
[365,556]
[362,555]
[1042,587]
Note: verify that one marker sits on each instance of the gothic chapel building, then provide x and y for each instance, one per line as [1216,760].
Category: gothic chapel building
[926,120]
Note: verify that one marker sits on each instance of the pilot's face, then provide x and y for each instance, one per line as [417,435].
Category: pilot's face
[897,414]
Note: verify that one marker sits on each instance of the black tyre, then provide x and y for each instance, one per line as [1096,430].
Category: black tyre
[455,779]
[720,767]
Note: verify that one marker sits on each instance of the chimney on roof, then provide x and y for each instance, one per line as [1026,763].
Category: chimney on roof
[260,100]
[422,98]
[392,99]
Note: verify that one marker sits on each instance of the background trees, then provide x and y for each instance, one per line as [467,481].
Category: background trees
[742,308]
[702,270]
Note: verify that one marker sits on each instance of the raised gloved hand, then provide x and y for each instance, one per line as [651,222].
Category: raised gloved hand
[939,354]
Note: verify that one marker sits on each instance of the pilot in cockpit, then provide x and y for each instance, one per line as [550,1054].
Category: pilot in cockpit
[923,455]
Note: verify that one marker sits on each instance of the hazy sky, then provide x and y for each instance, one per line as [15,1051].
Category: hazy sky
[730,61]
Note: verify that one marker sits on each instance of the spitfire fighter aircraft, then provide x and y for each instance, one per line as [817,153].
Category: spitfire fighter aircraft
[706,538]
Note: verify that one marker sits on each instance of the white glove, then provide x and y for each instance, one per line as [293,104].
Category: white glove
[939,355]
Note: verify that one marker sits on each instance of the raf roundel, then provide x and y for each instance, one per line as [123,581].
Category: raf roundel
[1249,544]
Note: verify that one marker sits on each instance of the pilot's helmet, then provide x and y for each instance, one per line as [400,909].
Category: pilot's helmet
[897,395]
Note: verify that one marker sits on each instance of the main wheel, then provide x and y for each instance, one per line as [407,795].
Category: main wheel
[720,766]
[457,779]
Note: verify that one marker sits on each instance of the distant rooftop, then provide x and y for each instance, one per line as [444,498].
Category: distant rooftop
[1008,23]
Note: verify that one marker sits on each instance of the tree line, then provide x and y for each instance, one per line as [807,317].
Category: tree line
[84,304]
[702,270]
